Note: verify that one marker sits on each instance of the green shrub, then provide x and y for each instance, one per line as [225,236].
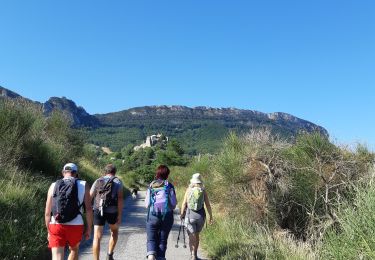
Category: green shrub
[353,236]
[240,239]
[34,142]
[22,198]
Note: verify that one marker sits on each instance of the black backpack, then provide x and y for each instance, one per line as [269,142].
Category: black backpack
[104,196]
[65,202]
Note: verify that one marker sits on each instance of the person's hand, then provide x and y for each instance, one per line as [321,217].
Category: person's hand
[210,221]
[87,233]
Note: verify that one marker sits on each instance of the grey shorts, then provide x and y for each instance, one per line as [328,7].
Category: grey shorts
[194,225]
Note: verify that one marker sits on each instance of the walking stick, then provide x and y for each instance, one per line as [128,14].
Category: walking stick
[179,232]
[183,234]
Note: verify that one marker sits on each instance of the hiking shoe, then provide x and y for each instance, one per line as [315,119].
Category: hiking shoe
[109,257]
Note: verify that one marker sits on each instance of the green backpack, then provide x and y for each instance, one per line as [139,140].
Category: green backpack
[195,198]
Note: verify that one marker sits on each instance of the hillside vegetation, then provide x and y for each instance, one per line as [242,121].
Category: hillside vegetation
[273,199]
[199,129]
[33,150]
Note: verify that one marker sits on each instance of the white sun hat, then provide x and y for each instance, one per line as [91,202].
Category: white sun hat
[196,178]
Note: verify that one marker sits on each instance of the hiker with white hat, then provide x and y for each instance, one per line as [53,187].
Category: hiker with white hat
[63,213]
[193,211]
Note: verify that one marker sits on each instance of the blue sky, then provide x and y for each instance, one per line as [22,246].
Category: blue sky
[312,59]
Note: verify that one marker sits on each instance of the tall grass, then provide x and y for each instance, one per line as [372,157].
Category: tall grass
[276,199]
[234,239]
[22,197]
[354,235]
[33,150]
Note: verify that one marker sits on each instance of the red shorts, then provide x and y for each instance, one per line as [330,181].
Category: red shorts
[60,235]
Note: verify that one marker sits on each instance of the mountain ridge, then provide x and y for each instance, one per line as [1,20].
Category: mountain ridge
[198,126]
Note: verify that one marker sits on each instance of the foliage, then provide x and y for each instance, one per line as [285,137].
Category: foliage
[198,137]
[239,239]
[33,149]
[262,185]
[353,236]
[34,142]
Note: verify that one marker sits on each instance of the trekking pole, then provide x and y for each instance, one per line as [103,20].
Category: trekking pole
[183,234]
[178,237]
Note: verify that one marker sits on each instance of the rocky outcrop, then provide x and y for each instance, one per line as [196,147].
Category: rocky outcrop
[76,114]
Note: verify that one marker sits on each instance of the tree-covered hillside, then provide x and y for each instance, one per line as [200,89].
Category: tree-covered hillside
[199,129]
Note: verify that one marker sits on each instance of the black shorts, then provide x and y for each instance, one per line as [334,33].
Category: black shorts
[99,220]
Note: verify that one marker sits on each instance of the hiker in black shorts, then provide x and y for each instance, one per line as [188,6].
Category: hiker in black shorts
[107,193]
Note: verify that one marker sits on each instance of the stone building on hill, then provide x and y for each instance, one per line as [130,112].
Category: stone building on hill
[152,140]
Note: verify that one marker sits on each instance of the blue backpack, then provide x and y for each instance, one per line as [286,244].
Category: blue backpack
[159,198]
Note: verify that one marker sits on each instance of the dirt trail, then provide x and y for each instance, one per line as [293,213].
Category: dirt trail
[132,236]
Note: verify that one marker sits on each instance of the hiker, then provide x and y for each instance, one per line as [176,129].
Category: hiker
[160,201]
[193,212]
[107,193]
[63,213]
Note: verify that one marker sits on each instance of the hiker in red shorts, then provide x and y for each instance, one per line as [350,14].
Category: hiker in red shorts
[63,213]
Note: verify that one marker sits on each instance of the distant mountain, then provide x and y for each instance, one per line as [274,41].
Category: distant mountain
[176,115]
[199,129]
[77,115]
[6,93]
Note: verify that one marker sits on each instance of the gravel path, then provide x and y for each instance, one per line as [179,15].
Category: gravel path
[132,236]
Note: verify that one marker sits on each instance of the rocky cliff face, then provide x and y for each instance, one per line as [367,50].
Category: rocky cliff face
[77,115]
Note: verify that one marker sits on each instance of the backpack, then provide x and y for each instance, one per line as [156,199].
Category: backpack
[195,198]
[65,202]
[104,196]
[159,198]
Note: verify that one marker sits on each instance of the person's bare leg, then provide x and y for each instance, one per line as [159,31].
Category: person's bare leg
[73,255]
[57,253]
[196,244]
[192,243]
[114,237]
[98,233]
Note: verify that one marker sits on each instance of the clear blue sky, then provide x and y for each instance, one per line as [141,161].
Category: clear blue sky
[313,59]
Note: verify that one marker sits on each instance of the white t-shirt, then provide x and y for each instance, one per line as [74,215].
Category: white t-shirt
[81,194]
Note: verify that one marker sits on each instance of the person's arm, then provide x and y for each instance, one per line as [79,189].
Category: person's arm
[147,199]
[89,214]
[208,206]
[93,191]
[184,204]
[173,198]
[48,210]
[120,204]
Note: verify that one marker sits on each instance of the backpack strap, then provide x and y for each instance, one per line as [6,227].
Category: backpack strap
[166,189]
[149,203]
[83,200]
